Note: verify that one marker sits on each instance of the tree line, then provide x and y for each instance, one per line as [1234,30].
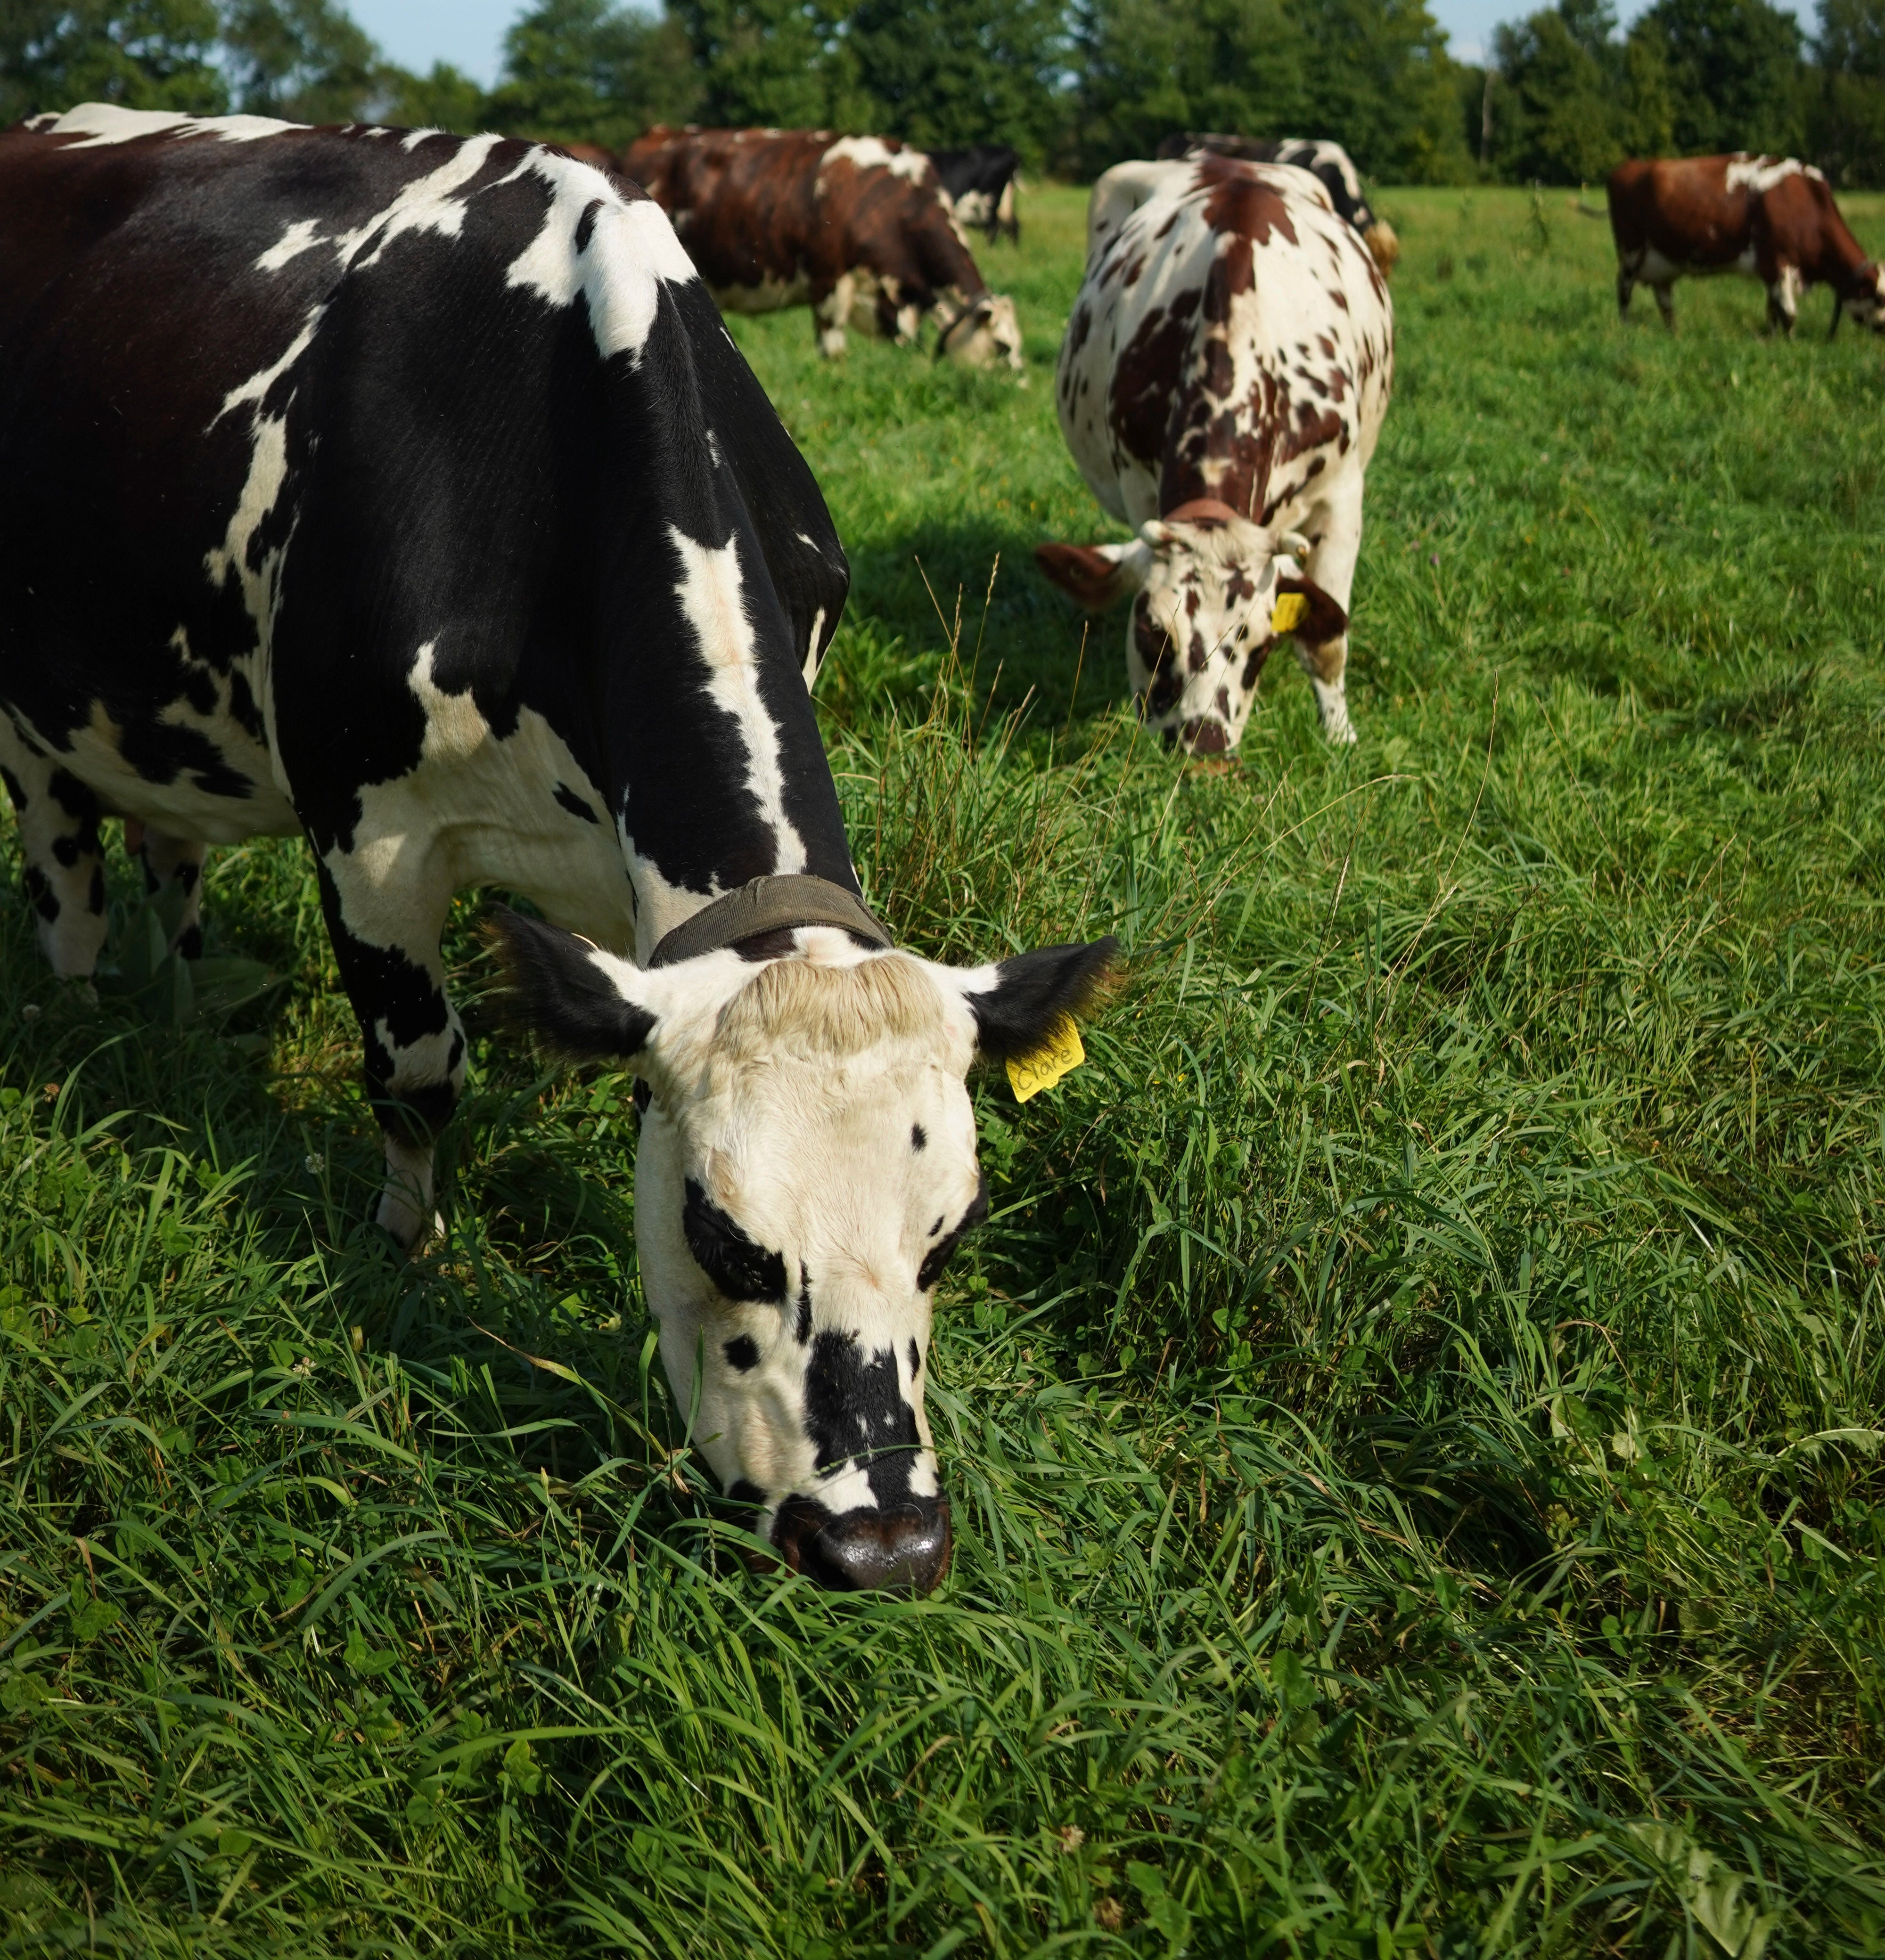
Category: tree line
[1074,84]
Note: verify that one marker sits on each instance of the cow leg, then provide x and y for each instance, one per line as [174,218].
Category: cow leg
[831,311]
[1336,526]
[1627,270]
[64,874]
[386,944]
[1783,299]
[178,861]
[1665,303]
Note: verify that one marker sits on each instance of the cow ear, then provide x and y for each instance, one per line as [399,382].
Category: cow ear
[1095,575]
[1322,619]
[1017,1002]
[573,997]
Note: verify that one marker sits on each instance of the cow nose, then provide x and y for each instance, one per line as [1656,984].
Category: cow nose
[902,1549]
[1204,736]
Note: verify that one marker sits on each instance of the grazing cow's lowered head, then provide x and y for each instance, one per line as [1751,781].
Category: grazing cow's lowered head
[984,334]
[1212,593]
[807,1166]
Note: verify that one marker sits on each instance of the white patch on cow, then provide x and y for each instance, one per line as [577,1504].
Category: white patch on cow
[302,235]
[973,207]
[712,596]
[631,252]
[812,640]
[104,123]
[872,153]
[1760,174]
[430,203]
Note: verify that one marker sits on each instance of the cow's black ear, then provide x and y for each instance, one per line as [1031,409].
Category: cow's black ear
[1323,620]
[1033,990]
[565,991]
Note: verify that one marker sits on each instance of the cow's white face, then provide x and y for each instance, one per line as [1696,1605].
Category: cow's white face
[808,1164]
[986,333]
[1206,584]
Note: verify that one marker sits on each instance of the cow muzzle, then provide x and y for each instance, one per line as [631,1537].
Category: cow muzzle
[903,1548]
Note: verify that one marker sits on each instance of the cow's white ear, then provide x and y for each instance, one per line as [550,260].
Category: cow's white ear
[1095,575]
[580,1002]
[1017,1003]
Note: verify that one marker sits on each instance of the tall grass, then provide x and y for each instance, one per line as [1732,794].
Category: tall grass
[1413,1417]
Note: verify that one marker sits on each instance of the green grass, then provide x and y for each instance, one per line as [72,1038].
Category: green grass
[1413,1419]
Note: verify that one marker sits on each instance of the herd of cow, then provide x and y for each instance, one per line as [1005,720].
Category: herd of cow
[407,492]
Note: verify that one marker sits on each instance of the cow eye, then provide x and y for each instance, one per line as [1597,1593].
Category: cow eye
[739,1269]
[937,1257]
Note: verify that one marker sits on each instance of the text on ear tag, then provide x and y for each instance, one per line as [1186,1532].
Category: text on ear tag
[1031,1074]
[1287,615]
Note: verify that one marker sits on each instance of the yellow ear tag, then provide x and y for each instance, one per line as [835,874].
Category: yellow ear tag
[1287,615]
[1058,1053]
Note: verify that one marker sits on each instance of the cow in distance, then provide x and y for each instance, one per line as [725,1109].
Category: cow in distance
[979,182]
[1771,216]
[858,227]
[1222,385]
[407,492]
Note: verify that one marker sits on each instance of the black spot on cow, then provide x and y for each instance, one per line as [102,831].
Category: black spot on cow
[740,1267]
[915,1359]
[918,1140]
[940,1254]
[572,802]
[39,889]
[743,1493]
[802,1332]
[66,849]
[743,1351]
[855,1412]
[586,224]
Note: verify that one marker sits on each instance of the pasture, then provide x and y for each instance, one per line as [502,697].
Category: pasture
[1412,1418]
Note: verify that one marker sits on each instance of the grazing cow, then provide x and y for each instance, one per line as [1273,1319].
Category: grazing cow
[857,226]
[407,492]
[1328,162]
[1222,384]
[1771,216]
[979,184]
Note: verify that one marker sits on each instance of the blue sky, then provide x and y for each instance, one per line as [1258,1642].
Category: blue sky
[470,34]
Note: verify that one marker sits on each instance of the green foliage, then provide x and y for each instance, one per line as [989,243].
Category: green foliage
[944,72]
[1734,75]
[308,60]
[143,54]
[587,71]
[784,62]
[1572,101]
[1413,1419]
[1846,111]
[441,99]
[1378,77]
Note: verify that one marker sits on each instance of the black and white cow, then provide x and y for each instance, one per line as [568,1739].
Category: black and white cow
[1222,385]
[407,492]
[979,182]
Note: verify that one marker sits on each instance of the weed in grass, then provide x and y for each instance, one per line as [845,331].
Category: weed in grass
[1413,1416]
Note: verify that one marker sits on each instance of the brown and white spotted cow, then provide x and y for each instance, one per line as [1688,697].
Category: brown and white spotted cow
[1222,384]
[858,228]
[1770,216]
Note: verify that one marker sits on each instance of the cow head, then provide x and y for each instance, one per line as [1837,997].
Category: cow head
[1864,299]
[1384,246]
[984,332]
[807,1166]
[1205,615]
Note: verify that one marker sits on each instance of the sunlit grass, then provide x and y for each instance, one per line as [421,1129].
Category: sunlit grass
[1413,1418]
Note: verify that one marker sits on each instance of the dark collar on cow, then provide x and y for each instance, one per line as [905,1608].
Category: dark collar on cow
[769,904]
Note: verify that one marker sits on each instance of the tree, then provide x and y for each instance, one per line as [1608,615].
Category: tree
[1846,118]
[142,54]
[308,60]
[1148,68]
[589,71]
[941,72]
[784,62]
[1378,79]
[442,99]
[1735,79]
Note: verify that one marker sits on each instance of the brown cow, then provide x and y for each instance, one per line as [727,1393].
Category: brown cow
[857,226]
[1771,216]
